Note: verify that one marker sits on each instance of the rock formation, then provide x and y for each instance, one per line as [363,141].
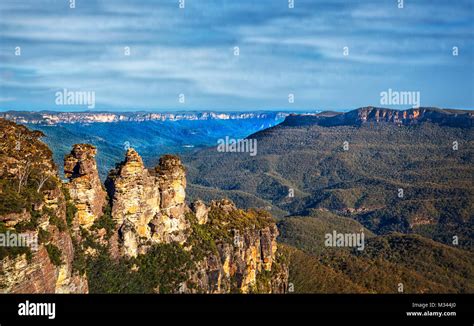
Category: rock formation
[201,211]
[373,115]
[241,259]
[148,207]
[170,224]
[84,184]
[33,206]
[220,248]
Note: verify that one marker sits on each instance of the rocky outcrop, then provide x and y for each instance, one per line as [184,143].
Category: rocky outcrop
[36,209]
[171,225]
[201,211]
[374,115]
[148,207]
[84,184]
[135,201]
[250,253]
[246,261]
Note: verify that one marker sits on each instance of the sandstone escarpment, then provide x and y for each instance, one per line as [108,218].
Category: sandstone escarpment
[33,205]
[373,115]
[84,185]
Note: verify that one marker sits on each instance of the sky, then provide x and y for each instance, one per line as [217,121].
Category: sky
[234,55]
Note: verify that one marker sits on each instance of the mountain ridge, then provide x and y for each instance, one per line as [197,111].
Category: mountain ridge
[55,117]
[370,114]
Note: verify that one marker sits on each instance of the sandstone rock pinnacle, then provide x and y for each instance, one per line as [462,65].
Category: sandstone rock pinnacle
[84,184]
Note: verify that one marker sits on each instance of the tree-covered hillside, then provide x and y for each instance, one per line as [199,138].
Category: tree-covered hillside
[410,178]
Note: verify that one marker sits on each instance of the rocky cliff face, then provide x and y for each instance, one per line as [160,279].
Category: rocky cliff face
[411,116]
[84,184]
[52,118]
[245,257]
[33,205]
[370,114]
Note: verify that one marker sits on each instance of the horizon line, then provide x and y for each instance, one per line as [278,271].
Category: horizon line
[275,110]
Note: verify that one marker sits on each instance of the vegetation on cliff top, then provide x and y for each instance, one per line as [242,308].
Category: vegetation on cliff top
[26,168]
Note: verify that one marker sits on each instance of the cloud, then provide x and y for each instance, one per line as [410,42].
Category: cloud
[7,99]
[190,51]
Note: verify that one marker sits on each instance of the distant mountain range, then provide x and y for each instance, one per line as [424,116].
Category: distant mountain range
[53,118]
[153,134]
